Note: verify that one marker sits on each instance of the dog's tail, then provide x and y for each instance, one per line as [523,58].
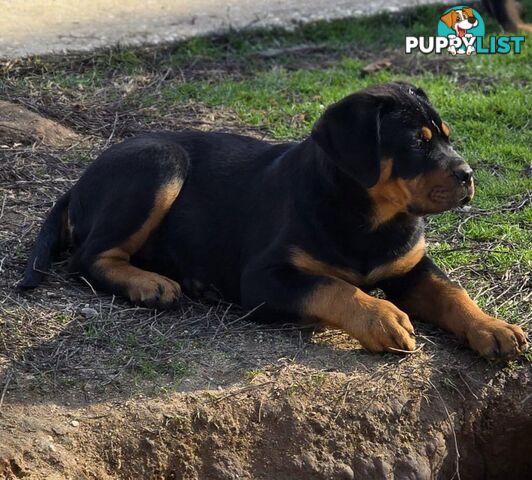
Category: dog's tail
[48,244]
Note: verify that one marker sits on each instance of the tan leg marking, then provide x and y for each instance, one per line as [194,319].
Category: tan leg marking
[377,324]
[526,27]
[164,199]
[450,307]
[142,286]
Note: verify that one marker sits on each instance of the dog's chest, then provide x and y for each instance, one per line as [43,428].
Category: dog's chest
[395,267]
[398,266]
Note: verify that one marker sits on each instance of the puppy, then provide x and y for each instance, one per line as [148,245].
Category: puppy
[303,230]
[508,14]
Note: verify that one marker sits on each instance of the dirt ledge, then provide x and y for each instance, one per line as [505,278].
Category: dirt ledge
[386,418]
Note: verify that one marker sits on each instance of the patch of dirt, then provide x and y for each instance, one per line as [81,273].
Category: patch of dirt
[381,418]
[20,125]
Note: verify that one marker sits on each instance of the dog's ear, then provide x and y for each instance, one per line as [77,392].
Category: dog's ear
[449,18]
[421,93]
[412,89]
[348,132]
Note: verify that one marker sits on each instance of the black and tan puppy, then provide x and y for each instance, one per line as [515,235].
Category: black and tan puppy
[304,229]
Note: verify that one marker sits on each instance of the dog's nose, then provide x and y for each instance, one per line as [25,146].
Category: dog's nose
[463,173]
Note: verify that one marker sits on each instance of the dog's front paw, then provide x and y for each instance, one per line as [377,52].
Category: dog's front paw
[495,338]
[388,329]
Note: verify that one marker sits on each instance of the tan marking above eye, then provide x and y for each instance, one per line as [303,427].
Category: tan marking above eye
[445,129]
[426,133]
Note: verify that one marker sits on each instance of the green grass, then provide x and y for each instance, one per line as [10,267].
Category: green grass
[486,99]
[251,374]
[150,370]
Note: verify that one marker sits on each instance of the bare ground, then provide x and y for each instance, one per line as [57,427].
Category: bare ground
[92,387]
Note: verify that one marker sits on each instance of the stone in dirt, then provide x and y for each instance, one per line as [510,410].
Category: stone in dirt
[88,312]
[20,125]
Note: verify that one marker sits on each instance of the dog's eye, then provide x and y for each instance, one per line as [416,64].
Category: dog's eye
[426,133]
[445,129]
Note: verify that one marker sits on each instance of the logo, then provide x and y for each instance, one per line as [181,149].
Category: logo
[461,26]
[461,31]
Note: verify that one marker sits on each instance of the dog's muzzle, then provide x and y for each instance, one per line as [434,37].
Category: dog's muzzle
[464,174]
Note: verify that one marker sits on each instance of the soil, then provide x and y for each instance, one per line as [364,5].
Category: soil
[93,388]
[330,412]
[22,126]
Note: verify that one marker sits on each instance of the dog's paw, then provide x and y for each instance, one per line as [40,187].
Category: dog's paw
[495,338]
[388,329]
[153,290]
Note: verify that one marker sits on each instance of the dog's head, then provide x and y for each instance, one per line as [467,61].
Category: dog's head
[392,142]
[460,20]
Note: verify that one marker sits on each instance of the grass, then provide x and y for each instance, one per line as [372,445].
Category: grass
[270,84]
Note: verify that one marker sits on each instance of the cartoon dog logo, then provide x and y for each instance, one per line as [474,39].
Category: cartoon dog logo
[461,31]
[460,20]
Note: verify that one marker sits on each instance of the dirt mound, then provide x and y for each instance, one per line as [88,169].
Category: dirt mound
[20,125]
[420,417]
